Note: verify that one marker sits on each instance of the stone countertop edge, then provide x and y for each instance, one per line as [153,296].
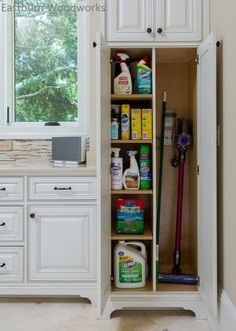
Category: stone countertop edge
[41,170]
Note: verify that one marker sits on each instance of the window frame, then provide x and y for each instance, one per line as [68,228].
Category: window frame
[23,130]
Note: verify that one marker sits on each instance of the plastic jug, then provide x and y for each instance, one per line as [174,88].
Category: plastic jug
[130,264]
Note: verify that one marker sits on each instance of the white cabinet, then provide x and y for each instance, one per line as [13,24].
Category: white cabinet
[11,223]
[62,243]
[189,76]
[11,264]
[130,20]
[62,188]
[178,20]
[11,188]
[154,20]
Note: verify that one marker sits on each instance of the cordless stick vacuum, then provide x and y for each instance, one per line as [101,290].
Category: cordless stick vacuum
[182,143]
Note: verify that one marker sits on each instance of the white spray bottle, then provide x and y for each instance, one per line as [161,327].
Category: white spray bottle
[123,82]
[116,170]
[131,177]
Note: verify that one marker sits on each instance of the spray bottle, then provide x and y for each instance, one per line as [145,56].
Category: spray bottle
[131,177]
[123,82]
[116,170]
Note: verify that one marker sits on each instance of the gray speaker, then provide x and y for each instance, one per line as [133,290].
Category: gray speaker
[70,149]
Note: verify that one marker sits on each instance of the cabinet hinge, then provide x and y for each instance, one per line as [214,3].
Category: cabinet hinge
[218,134]
[197,59]
[94,44]
[198,170]
[111,278]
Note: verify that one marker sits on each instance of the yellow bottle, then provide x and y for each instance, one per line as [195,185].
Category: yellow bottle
[147,124]
[136,130]
[125,122]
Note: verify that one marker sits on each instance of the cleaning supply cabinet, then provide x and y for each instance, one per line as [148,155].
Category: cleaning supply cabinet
[155,20]
[188,74]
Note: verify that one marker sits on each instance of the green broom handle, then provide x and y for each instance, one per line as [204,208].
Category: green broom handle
[160,175]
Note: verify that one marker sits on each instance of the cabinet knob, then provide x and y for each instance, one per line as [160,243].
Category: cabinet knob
[149,30]
[32,215]
[160,30]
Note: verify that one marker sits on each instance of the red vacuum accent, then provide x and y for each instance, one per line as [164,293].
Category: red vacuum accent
[180,204]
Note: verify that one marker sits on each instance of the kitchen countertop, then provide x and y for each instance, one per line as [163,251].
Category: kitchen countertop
[44,168]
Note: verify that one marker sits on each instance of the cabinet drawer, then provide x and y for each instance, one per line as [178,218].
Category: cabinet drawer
[11,264]
[62,188]
[11,188]
[11,223]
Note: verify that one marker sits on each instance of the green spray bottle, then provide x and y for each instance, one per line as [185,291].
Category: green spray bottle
[145,168]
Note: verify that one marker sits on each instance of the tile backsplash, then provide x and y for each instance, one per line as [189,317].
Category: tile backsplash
[34,150]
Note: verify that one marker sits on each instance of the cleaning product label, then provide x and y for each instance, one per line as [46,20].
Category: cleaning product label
[136,124]
[125,122]
[146,124]
[130,271]
[114,130]
[130,216]
[144,79]
[132,180]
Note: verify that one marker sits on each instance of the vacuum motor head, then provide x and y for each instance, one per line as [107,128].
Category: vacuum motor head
[184,138]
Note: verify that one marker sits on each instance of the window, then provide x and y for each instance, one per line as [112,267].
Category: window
[41,73]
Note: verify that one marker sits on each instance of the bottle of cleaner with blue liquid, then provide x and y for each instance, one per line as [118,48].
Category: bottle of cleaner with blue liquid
[144,77]
[123,82]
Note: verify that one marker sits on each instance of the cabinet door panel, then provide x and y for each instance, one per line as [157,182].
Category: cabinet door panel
[180,20]
[207,179]
[129,20]
[62,243]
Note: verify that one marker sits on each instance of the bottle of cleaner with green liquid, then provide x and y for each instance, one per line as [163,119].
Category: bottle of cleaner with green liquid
[130,265]
[131,177]
[123,82]
[145,168]
[144,77]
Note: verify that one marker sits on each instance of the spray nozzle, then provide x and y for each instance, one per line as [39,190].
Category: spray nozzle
[132,153]
[115,151]
[122,57]
[145,58]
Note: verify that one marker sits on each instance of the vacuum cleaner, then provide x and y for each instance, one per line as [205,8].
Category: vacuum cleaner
[182,141]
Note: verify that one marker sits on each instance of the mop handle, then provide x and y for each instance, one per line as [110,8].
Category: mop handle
[161,163]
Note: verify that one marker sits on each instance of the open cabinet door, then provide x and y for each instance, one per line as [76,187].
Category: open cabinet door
[103,158]
[207,179]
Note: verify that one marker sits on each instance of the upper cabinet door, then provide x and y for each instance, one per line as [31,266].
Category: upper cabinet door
[207,179]
[130,20]
[178,20]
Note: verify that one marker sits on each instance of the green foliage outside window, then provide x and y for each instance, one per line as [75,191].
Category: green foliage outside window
[46,87]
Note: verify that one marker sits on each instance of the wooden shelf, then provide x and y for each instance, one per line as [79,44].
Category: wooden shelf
[147,235]
[139,192]
[131,141]
[176,288]
[131,97]
[147,288]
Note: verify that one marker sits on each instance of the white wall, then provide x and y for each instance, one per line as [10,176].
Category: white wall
[223,23]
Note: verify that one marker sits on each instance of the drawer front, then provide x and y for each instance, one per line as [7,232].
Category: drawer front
[11,264]
[62,188]
[11,223]
[11,188]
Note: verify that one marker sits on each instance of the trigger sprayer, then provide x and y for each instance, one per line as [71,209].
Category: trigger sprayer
[123,82]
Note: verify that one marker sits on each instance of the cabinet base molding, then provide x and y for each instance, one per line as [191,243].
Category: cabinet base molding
[35,290]
[186,301]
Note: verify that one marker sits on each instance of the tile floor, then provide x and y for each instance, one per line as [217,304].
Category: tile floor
[78,315]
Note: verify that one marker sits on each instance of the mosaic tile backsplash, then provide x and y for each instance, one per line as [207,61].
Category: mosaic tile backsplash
[32,150]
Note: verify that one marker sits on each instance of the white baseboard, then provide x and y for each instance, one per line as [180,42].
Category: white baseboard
[228,313]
